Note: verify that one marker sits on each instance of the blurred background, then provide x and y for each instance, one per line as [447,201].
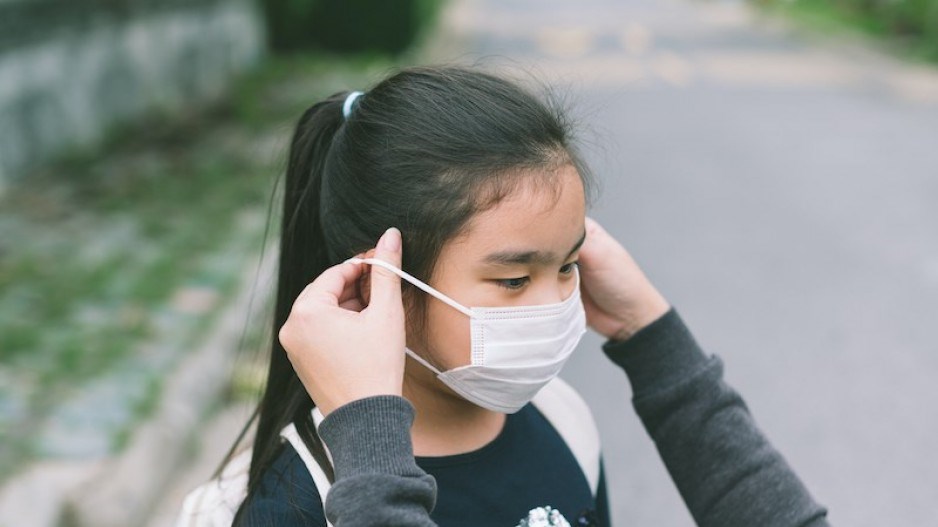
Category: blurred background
[772,165]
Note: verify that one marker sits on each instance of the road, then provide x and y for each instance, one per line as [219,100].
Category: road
[780,189]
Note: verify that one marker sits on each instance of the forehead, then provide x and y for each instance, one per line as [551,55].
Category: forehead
[546,216]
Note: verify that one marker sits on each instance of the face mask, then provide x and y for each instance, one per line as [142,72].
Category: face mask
[515,350]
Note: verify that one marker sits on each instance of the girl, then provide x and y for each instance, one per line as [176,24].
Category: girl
[487,188]
[348,346]
[725,469]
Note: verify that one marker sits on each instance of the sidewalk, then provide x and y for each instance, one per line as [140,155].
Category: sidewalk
[142,263]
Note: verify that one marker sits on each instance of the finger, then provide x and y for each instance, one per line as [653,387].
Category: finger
[364,286]
[352,304]
[385,284]
[352,289]
[352,296]
[596,245]
[593,229]
[331,285]
[591,224]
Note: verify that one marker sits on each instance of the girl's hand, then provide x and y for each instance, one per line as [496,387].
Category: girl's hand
[618,298]
[341,350]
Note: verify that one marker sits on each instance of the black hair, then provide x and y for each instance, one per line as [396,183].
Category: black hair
[423,150]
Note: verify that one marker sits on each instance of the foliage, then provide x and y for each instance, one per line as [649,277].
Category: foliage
[909,25]
[383,26]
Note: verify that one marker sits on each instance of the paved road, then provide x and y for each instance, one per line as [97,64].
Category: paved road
[782,193]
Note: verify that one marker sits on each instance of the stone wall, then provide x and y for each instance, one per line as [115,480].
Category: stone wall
[72,69]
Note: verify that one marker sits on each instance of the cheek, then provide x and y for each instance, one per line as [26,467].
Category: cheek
[447,335]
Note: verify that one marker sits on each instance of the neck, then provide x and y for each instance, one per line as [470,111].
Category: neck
[444,423]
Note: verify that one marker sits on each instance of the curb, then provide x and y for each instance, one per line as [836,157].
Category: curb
[124,489]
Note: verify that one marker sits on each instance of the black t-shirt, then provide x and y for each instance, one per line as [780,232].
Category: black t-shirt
[528,465]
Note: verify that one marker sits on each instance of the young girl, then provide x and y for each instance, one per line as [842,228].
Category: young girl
[726,470]
[490,197]
[485,184]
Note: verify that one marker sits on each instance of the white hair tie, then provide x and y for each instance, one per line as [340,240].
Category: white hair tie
[347,107]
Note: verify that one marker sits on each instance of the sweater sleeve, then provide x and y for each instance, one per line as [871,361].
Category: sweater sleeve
[377,481]
[725,469]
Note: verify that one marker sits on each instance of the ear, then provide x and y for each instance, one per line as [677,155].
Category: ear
[364,282]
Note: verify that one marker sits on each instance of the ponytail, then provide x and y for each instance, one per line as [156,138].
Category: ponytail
[303,256]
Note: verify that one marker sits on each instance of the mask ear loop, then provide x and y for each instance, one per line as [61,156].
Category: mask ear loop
[407,276]
[422,361]
[410,278]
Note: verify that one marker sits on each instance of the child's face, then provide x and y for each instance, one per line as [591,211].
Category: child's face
[530,220]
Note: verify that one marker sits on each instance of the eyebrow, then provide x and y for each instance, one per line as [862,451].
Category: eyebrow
[507,258]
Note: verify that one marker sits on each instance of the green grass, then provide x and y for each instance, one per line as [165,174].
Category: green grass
[903,27]
[142,408]
[93,245]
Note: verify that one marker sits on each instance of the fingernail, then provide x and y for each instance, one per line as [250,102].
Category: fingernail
[391,240]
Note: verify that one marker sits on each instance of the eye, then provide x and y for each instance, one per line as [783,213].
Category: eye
[513,283]
[568,268]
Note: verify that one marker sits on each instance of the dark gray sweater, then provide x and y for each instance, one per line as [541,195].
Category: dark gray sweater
[725,469]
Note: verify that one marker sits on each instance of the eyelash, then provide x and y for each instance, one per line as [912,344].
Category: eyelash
[526,279]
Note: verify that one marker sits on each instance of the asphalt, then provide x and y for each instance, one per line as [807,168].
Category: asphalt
[779,187]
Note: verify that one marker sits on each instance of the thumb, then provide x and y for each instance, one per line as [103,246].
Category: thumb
[385,284]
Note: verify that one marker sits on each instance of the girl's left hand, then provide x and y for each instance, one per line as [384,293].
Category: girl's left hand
[618,298]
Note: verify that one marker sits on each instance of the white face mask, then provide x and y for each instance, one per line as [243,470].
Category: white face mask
[515,350]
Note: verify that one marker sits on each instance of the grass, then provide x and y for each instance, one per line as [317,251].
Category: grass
[94,245]
[885,23]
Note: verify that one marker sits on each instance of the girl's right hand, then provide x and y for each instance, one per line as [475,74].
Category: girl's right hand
[342,350]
